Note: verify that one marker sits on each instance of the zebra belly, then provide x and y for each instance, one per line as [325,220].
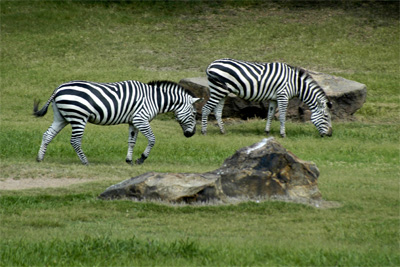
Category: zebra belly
[262,96]
[127,118]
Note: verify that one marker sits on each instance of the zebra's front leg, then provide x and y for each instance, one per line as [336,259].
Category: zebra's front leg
[145,129]
[282,107]
[218,115]
[133,133]
[271,113]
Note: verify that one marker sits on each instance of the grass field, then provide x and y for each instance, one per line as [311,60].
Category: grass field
[46,43]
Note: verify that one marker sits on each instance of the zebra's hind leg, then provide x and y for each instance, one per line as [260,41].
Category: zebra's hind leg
[216,104]
[133,133]
[51,132]
[76,140]
[58,124]
[271,113]
[218,115]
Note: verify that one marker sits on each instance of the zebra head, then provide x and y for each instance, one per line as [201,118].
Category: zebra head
[321,117]
[186,116]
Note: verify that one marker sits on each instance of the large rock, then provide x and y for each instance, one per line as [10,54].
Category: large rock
[346,96]
[268,169]
[263,170]
[170,187]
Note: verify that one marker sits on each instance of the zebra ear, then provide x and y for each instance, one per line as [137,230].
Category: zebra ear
[196,100]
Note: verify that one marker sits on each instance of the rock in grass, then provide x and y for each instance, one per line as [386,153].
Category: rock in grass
[170,187]
[268,169]
[263,170]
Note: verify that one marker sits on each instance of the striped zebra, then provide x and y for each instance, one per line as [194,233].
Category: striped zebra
[132,102]
[276,82]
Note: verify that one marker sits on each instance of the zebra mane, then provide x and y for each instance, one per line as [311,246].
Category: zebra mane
[171,83]
[307,76]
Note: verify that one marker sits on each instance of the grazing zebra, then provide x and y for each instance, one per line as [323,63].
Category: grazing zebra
[132,102]
[276,82]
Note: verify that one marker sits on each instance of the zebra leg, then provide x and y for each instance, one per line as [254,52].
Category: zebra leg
[58,124]
[218,115]
[205,112]
[282,107]
[212,104]
[271,113]
[133,133]
[76,140]
[145,129]
[51,132]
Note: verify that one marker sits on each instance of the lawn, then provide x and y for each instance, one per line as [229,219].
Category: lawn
[46,43]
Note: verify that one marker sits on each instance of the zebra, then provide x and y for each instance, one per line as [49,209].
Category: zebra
[276,82]
[131,102]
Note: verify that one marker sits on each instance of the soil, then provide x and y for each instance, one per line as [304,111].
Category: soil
[28,183]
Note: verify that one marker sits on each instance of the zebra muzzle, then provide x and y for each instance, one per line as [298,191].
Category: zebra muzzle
[189,133]
[328,133]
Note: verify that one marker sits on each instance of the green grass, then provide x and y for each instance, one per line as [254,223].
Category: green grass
[46,43]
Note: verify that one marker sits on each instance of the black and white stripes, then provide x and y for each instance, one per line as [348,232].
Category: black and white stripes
[132,102]
[276,82]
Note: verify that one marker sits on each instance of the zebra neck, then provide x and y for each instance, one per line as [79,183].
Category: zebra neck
[309,95]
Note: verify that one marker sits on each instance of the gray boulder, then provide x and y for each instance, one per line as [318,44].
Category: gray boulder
[268,169]
[169,187]
[346,96]
[262,170]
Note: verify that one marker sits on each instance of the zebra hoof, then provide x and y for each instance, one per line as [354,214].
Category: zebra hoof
[129,161]
[267,133]
[204,133]
[283,135]
[139,161]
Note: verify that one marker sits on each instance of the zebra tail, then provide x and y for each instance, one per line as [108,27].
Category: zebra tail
[36,111]
[43,111]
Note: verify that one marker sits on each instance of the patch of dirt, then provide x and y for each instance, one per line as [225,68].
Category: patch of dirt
[28,183]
